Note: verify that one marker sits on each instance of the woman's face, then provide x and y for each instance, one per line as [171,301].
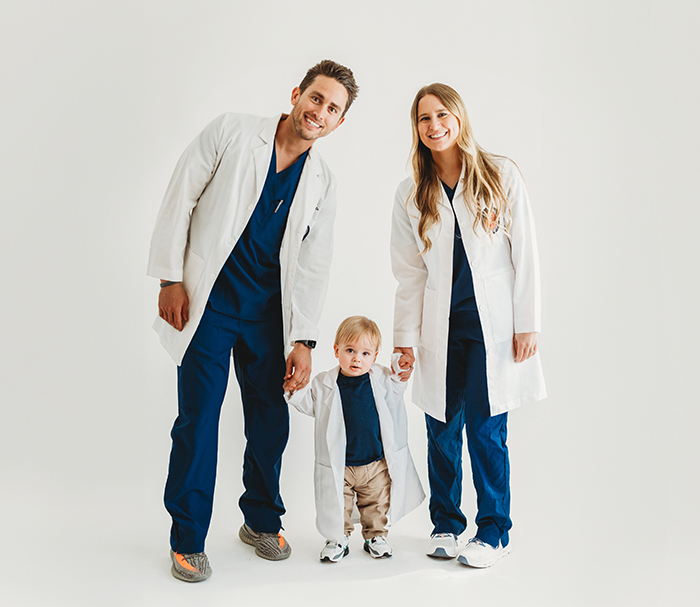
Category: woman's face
[438,128]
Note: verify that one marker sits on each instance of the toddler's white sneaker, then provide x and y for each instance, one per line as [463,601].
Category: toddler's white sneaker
[378,548]
[333,551]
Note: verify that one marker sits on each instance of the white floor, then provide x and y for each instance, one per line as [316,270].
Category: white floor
[99,548]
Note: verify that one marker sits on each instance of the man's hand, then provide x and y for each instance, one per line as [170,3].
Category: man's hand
[173,305]
[405,362]
[524,346]
[298,368]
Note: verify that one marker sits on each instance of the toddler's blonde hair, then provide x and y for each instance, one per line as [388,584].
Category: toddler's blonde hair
[358,326]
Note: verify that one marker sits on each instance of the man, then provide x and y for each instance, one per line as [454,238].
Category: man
[242,246]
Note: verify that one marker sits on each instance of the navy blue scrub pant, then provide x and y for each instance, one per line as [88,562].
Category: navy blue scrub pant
[259,362]
[468,409]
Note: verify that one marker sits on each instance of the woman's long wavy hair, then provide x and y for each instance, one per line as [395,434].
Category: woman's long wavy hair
[482,184]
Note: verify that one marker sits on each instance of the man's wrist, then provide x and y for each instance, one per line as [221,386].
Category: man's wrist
[309,343]
[168,283]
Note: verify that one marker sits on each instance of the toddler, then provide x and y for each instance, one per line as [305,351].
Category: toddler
[361,447]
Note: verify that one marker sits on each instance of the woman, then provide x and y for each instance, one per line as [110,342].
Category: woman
[464,253]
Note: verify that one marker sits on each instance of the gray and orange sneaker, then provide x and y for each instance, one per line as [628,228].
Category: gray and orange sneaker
[191,567]
[270,546]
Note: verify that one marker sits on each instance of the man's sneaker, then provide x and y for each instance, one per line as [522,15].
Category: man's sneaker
[480,554]
[192,567]
[270,546]
[378,548]
[333,551]
[442,546]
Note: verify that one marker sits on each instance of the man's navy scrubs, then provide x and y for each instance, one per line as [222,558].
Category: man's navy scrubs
[468,408]
[243,315]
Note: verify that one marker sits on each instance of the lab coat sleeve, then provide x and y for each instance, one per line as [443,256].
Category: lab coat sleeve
[313,268]
[192,174]
[396,385]
[304,400]
[526,289]
[410,272]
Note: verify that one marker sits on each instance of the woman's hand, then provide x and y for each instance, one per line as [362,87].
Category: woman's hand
[405,362]
[524,346]
[173,305]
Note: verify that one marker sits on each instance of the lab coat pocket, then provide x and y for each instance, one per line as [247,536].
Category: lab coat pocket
[312,221]
[192,270]
[499,297]
[428,329]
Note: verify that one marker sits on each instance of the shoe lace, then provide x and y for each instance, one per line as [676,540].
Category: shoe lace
[443,535]
[478,542]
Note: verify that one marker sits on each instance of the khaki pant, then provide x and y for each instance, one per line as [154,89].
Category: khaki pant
[372,485]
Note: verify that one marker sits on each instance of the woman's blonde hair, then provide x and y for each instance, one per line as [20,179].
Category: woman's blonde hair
[358,326]
[482,184]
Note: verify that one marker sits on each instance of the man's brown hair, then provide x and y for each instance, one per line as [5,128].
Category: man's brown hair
[338,72]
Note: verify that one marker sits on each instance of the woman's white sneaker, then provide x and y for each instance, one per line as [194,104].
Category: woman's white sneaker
[442,546]
[480,554]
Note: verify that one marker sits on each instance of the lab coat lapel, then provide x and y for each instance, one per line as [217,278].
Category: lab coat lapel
[335,432]
[386,423]
[307,195]
[262,154]
[466,220]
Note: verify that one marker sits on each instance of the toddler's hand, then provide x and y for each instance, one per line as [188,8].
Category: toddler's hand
[405,362]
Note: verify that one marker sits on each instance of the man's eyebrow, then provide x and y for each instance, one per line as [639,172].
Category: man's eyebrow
[322,98]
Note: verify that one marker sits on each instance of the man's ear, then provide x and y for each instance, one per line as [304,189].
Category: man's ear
[296,93]
[339,123]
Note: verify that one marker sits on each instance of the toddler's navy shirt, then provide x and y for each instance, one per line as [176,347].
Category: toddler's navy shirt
[248,286]
[364,441]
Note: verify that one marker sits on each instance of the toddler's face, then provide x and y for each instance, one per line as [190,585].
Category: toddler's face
[356,356]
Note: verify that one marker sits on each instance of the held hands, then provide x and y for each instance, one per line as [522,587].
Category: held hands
[173,305]
[524,346]
[298,368]
[406,362]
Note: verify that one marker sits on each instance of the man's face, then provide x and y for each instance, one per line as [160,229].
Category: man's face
[318,110]
[356,356]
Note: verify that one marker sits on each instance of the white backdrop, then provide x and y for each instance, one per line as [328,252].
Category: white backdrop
[596,101]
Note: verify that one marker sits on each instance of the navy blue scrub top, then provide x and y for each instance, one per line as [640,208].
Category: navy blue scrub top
[364,441]
[248,286]
[462,282]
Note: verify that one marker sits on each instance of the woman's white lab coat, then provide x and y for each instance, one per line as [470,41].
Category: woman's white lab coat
[321,400]
[505,270]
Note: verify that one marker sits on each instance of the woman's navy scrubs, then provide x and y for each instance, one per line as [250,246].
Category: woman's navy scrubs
[468,408]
